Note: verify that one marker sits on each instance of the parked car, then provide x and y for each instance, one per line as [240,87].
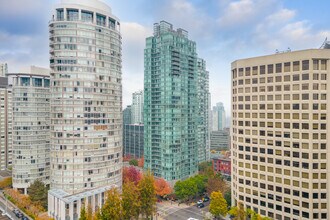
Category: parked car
[201,205]
[19,214]
[199,201]
[24,218]
[206,199]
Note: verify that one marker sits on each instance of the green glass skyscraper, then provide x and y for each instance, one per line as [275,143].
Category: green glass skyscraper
[170,103]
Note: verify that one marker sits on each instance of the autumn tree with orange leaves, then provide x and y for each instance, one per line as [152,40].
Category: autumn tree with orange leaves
[162,187]
[131,174]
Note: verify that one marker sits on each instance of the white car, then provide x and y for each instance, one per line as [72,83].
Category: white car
[200,201]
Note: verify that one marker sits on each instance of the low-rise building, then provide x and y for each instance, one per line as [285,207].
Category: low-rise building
[219,140]
[222,164]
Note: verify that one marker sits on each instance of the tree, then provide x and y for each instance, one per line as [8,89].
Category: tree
[133,162]
[203,165]
[147,195]
[216,184]
[162,187]
[38,193]
[186,189]
[228,197]
[131,174]
[238,212]
[130,201]
[141,162]
[83,214]
[112,208]
[200,181]
[218,205]
[6,183]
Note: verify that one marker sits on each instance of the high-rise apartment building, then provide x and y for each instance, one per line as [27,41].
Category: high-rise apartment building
[280,115]
[86,112]
[3,69]
[6,116]
[137,107]
[127,115]
[170,103]
[218,117]
[31,109]
[203,94]
[133,140]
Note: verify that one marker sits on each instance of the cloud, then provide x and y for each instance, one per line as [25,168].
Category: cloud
[134,36]
[244,12]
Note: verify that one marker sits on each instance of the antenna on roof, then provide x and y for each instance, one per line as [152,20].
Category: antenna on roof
[326,44]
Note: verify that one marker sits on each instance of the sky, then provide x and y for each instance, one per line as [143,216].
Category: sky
[224,30]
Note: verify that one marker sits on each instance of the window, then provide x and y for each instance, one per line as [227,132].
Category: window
[287,67]
[270,68]
[87,16]
[72,15]
[60,14]
[100,19]
[305,65]
[278,67]
[315,64]
[296,66]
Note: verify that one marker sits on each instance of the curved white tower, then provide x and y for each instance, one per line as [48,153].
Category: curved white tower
[86,118]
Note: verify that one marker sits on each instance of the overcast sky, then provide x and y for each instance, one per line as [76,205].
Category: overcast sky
[225,30]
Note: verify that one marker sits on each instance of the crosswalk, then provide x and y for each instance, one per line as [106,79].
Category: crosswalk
[2,217]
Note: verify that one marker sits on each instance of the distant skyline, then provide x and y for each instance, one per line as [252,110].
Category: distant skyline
[224,31]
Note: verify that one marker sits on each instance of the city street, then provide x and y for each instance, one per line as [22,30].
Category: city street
[174,211]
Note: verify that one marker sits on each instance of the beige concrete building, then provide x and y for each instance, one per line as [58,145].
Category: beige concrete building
[5,124]
[280,155]
[86,106]
[31,107]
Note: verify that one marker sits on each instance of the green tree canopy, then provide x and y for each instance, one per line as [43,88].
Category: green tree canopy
[38,193]
[133,162]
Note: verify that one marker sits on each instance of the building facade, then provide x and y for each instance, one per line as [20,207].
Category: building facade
[86,112]
[203,94]
[127,115]
[137,107]
[280,109]
[6,115]
[170,103]
[31,137]
[222,165]
[218,117]
[219,140]
[133,140]
[3,69]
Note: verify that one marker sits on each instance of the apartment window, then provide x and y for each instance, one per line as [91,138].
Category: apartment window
[305,76]
[323,64]
[296,66]
[100,20]
[305,65]
[247,71]
[87,16]
[287,67]
[60,14]
[72,14]
[255,70]
[262,69]
[278,67]
[315,64]
[270,68]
